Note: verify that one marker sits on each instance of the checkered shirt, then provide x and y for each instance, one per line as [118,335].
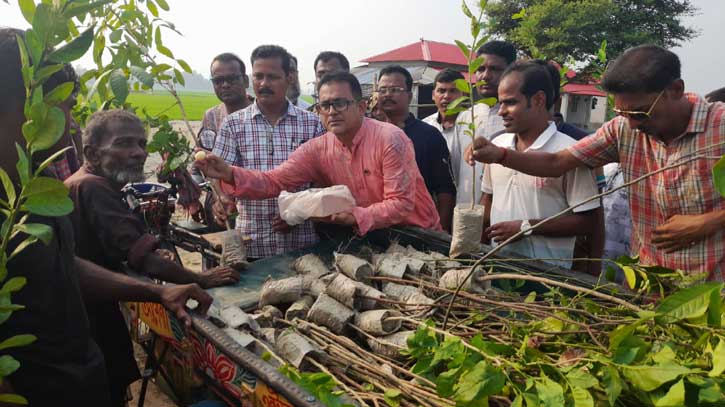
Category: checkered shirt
[683,190]
[247,139]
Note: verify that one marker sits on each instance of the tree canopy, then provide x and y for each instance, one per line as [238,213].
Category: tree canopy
[566,29]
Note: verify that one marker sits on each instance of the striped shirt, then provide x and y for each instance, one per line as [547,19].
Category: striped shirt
[213,119]
[247,139]
[683,190]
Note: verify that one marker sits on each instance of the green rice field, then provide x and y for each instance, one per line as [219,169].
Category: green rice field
[160,101]
[195,103]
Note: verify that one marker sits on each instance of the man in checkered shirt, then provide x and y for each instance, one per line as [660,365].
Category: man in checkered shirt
[260,137]
[678,216]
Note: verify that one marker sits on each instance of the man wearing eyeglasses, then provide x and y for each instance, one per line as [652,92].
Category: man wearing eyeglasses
[431,151]
[229,77]
[375,160]
[261,137]
[678,215]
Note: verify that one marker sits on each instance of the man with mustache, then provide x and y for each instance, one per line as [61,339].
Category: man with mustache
[261,137]
[375,160]
[395,86]
[515,201]
[108,234]
[678,216]
[453,127]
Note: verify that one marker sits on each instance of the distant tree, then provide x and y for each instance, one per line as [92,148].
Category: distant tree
[574,29]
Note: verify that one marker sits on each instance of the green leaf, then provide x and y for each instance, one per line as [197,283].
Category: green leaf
[164,51]
[14,284]
[691,302]
[581,378]
[613,384]
[27,7]
[43,232]
[184,65]
[119,85]
[518,16]
[25,243]
[78,9]
[24,62]
[487,101]
[464,49]
[144,77]
[74,49]
[718,175]
[163,4]
[457,102]
[48,131]
[479,383]
[115,36]
[466,10]
[35,47]
[602,53]
[718,359]
[47,197]
[59,94]
[44,73]
[392,397]
[530,298]
[179,77]
[582,397]
[16,341]
[476,63]
[152,8]
[8,186]
[8,365]
[42,22]
[463,86]
[22,165]
[156,69]
[13,399]
[648,378]
[714,310]
[50,160]
[550,393]
[675,396]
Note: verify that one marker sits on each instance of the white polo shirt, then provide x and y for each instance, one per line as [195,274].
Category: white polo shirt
[518,196]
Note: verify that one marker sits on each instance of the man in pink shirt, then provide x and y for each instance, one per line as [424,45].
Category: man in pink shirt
[374,159]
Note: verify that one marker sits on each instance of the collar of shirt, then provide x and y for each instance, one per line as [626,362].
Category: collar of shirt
[409,121]
[540,141]
[359,136]
[256,111]
[698,118]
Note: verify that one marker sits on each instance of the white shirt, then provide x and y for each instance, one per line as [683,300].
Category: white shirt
[518,196]
[302,104]
[458,141]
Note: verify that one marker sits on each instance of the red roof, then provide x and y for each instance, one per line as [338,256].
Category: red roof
[423,50]
[587,89]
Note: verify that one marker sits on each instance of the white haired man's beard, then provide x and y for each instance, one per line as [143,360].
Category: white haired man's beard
[124,175]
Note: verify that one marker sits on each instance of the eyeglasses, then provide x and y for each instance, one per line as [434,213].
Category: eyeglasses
[218,80]
[392,90]
[340,105]
[638,115]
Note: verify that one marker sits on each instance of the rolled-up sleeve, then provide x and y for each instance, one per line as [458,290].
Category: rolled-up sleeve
[399,187]
[601,147]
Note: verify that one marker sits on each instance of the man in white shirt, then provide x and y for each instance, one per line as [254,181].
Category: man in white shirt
[294,90]
[453,127]
[515,201]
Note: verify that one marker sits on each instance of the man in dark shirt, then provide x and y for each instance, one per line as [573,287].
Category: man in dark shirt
[64,366]
[108,234]
[431,151]
[570,130]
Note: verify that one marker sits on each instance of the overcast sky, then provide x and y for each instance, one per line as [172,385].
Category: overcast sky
[360,29]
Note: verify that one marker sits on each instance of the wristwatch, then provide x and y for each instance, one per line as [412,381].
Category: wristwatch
[526,225]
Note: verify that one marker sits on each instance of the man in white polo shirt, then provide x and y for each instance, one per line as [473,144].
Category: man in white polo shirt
[515,201]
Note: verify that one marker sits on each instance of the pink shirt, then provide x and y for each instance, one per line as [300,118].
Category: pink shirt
[379,169]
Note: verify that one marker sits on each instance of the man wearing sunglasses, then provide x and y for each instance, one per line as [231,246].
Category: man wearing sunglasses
[678,216]
[375,160]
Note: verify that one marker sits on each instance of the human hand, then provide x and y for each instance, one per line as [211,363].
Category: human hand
[174,298]
[681,231]
[279,225]
[214,167]
[502,231]
[218,276]
[483,151]
[221,208]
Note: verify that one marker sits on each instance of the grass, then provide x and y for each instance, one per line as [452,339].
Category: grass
[157,102]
